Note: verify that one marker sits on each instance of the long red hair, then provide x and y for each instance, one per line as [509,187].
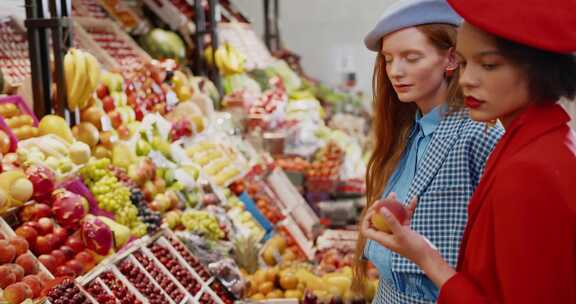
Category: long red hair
[391,125]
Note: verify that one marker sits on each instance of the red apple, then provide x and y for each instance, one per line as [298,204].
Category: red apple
[76,267]
[52,240]
[46,225]
[61,234]
[68,252]
[75,243]
[64,271]
[34,225]
[393,207]
[108,104]
[58,256]
[28,233]
[43,245]
[48,261]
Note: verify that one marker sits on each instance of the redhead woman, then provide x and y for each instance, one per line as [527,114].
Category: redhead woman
[426,144]
[519,245]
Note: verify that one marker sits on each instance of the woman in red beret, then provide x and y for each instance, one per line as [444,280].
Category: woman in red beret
[519,245]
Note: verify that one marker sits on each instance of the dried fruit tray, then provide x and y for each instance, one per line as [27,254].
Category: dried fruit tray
[110,44]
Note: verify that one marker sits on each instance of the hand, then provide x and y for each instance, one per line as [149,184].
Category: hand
[402,239]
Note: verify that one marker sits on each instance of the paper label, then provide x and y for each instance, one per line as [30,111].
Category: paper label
[106,124]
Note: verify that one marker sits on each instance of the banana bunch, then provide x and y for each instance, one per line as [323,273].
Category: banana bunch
[82,73]
[227,58]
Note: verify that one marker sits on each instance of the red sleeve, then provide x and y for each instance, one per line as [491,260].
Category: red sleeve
[534,236]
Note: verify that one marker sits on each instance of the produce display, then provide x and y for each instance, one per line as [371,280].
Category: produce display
[161,190]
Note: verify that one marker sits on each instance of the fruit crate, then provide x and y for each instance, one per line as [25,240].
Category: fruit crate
[13,53]
[122,286]
[247,42]
[107,38]
[136,274]
[168,13]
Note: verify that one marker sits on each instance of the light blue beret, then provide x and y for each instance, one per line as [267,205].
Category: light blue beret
[407,13]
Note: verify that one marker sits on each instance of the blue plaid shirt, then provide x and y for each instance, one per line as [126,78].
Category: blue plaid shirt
[400,181]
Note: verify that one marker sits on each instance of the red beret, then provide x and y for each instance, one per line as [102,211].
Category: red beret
[547,25]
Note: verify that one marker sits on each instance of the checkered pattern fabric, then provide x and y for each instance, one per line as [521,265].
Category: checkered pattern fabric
[444,183]
[389,295]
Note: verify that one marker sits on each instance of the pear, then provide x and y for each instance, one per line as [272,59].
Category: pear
[54,124]
[121,232]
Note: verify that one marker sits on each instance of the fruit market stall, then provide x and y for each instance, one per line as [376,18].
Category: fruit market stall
[151,195]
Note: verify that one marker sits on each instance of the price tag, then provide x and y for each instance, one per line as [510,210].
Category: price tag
[171,100]
[106,124]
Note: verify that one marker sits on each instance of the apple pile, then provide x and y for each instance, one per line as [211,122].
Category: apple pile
[268,209]
[67,293]
[323,173]
[48,235]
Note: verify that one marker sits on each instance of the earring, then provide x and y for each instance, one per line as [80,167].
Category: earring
[449,72]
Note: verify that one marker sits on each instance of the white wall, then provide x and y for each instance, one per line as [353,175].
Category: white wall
[324,33]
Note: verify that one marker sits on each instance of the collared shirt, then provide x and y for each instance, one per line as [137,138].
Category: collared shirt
[399,183]
[420,137]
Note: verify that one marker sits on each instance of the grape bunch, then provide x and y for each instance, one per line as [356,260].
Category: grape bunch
[152,219]
[122,176]
[112,195]
[202,222]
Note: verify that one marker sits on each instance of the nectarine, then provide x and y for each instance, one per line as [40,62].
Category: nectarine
[395,208]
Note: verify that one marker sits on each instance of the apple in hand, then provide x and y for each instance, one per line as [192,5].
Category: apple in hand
[379,222]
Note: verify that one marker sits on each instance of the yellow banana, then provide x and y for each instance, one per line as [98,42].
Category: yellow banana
[93,68]
[69,74]
[80,80]
[92,75]
[220,58]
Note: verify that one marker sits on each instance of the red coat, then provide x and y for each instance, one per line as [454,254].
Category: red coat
[520,241]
